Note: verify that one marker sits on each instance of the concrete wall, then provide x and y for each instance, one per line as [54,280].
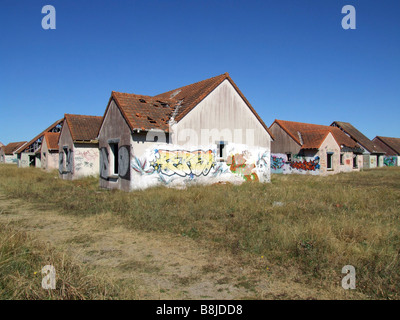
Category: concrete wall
[221,116]
[86,160]
[66,143]
[178,166]
[315,161]
[49,159]
[114,128]
[9,159]
[27,159]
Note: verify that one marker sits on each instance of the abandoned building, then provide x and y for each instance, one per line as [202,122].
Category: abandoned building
[392,148]
[373,155]
[204,132]
[49,151]
[29,155]
[78,147]
[312,149]
[7,153]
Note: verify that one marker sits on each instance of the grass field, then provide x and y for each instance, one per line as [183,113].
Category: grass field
[298,230]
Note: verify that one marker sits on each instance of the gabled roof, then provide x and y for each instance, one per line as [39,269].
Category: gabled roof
[146,112]
[357,136]
[82,127]
[191,95]
[40,135]
[392,143]
[12,147]
[52,140]
[311,136]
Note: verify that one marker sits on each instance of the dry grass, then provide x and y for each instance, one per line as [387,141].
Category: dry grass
[304,227]
[21,261]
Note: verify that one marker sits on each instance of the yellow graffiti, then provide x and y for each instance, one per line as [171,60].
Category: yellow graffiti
[183,163]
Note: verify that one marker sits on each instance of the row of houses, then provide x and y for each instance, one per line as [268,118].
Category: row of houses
[205,132]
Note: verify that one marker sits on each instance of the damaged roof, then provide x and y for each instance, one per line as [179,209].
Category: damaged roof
[311,136]
[52,140]
[40,135]
[10,148]
[357,136]
[82,127]
[392,143]
[146,112]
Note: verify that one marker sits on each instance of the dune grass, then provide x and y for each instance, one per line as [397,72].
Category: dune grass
[21,261]
[313,225]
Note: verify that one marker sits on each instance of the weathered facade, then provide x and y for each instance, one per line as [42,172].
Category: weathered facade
[29,155]
[49,151]
[78,148]
[373,155]
[392,148]
[312,149]
[201,133]
[7,153]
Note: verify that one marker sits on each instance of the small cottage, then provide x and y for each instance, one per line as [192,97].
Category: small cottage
[205,132]
[7,153]
[392,148]
[49,151]
[306,148]
[78,147]
[29,155]
[373,155]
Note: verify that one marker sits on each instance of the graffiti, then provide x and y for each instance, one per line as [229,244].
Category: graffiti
[238,165]
[311,165]
[183,163]
[277,164]
[390,161]
[141,167]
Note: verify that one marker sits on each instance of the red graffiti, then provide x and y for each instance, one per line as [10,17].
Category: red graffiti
[311,165]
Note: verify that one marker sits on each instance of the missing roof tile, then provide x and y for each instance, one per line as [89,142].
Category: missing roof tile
[142,100]
[151,120]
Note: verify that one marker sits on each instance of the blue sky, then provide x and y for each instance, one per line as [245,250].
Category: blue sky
[291,58]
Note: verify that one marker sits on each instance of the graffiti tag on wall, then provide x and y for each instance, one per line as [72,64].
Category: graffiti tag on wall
[239,165]
[277,164]
[390,161]
[183,163]
[311,165]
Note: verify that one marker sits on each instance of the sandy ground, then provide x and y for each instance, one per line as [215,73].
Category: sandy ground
[149,265]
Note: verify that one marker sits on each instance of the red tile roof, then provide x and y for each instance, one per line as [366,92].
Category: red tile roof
[145,112]
[311,136]
[52,140]
[357,136]
[12,147]
[392,143]
[40,135]
[82,127]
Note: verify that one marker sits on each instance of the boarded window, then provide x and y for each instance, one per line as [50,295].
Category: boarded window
[341,158]
[124,162]
[60,162]
[221,150]
[104,163]
[355,164]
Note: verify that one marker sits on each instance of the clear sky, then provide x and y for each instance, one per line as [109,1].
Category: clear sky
[291,58]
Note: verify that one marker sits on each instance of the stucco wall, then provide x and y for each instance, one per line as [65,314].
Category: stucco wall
[178,166]
[86,160]
[9,159]
[49,159]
